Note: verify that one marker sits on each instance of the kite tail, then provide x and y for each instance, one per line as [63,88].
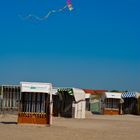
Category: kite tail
[46,16]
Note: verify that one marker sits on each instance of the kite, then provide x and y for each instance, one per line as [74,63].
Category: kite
[68,5]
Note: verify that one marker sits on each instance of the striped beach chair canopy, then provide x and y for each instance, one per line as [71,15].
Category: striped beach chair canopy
[68,90]
[130,95]
[78,94]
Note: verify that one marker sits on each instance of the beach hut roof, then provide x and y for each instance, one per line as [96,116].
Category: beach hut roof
[91,91]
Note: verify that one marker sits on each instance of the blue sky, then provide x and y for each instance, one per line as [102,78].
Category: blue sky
[95,46]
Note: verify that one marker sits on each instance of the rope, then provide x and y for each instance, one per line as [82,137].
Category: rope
[45,17]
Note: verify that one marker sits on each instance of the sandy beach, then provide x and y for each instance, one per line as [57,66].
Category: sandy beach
[97,127]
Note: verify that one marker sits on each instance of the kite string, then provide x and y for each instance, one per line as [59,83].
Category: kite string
[46,16]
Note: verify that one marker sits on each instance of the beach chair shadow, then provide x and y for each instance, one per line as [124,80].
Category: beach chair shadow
[8,122]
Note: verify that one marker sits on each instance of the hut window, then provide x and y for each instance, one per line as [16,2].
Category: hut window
[112,103]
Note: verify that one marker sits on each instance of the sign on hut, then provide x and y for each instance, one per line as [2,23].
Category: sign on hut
[9,97]
[69,103]
[111,103]
[35,103]
[131,103]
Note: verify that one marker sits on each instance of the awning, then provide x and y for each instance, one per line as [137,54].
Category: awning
[78,94]
[35,87]
[114,95]
[130,95]
[68,90]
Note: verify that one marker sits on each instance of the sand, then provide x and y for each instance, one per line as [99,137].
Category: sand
[94,127]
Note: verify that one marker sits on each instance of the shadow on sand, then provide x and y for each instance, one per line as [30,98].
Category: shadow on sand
[8,122]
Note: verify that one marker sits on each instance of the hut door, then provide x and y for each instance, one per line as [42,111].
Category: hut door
[66,105]
[95,105]
[130,106]
[79,109]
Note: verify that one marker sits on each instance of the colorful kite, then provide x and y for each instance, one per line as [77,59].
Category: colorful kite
[68,5]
